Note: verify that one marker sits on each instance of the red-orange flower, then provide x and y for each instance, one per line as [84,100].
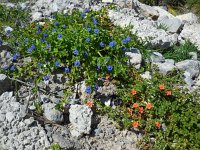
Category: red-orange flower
[135,124]
[135,105]
[168,92]
[90,104]
[148,106]
[162,87]
[107,76]
[158,125]
[133,92]
[141,110]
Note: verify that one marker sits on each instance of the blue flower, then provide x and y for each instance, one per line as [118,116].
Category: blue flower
[109,68]
[8,31]
[5,67]
[59,35]
[124,41]
[96,31]
[46,78]
[98,67]
[128,38]
[112,44]
[45,35]
[102,44]
[56,23]
[57,63]
[95,21]
[88,89]
[67,106]
[64,26]
[12,67]
[1,42]
[83,15]
[43,40]
[30,50]
[38,31]
[14,57]
[86,10]
[76,52]
[33,46]
[89,29]
[123,48]
[96,87]
[67,70]
[26,40]
[88,40]
[77,63]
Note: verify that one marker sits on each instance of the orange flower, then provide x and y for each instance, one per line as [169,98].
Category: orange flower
[158,125]
[141,110]
[107,76]
[135,124]
[148,106]
[133,92]
[135,105]
[162,87]
[168,92]
[90,104]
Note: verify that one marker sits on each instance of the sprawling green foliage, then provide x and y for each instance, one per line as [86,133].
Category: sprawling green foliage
[181,52]
[87,46]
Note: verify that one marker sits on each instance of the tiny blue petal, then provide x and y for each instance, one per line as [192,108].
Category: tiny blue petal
[76,52]
[89,29]
[77,63]
[88,40]
[109,68]
[67,70]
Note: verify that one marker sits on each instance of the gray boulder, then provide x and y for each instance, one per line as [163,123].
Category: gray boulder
[80,117]
[162,12]
[188,18]
[157,57]
[135,57]
[173,25]
[146,29]
[191,66]
[192,33]
[165,67]
[5,83]
[51,113]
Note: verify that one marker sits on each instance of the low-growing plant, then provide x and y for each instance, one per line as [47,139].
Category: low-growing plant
[82,45]
[160,109]
[12,17]
[161,26]
[55,147]
[86,46]
[182,52]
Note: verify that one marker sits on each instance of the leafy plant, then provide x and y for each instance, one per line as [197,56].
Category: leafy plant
[179,53]
[38,108]
[55,147]
[162,26]
[86,46]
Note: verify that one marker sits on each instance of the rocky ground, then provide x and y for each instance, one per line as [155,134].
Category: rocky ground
[20,131]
